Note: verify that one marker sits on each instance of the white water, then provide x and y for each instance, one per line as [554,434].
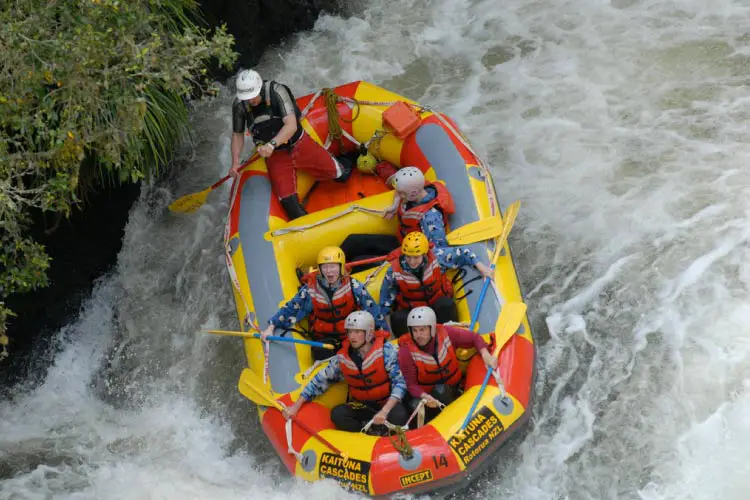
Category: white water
[620,125]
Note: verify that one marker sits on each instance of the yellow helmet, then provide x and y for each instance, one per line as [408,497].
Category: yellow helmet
[331,255]
[415,244]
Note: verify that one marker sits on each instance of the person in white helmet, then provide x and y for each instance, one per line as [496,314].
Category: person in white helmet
[269,111]
[369,365]
[428,361]
[420,206]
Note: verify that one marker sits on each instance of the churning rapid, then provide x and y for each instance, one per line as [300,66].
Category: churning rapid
[621,125]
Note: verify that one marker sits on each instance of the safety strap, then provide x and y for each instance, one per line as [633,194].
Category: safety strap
[266,352]
[499,380]
[268,95]
[289,447]
[419,410]
[304,227]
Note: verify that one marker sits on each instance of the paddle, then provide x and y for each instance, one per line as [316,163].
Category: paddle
[510,218]
[272,338]
[483,229]
[254,390]
[507,324]
[189,203]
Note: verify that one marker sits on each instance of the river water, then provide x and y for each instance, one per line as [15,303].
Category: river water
[621,125]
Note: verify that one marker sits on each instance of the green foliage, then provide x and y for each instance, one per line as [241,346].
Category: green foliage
[104,81]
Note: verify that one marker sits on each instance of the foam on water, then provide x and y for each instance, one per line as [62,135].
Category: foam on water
[622,127]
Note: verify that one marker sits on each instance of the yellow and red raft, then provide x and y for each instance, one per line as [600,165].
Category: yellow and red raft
[265,251]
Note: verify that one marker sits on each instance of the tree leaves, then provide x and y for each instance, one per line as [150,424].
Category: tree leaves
[104,81]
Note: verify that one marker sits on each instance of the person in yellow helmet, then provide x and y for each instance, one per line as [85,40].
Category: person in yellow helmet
[417,278]
[327,296]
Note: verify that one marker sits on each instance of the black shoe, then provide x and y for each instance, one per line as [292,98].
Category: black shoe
[378,430]
[346,162]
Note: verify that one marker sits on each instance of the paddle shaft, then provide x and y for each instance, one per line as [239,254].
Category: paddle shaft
[500,338]
[292,340]
[485,286]
[273,338]
[317,436]
[219,182]
[510,218]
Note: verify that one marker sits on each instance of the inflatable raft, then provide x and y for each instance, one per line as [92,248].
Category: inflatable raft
[266,253]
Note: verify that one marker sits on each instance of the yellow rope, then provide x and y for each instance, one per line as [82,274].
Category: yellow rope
[334,127]
[397,437]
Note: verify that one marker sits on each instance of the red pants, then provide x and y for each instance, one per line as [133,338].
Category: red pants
[307,155]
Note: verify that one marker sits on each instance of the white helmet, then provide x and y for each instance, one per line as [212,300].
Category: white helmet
[409,179]
[360,320]
[249,84]
[422,316]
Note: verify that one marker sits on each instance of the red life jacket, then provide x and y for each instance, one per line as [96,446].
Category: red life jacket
[439,367]
[371,383]
[328,315]
[413,292]
[409,219]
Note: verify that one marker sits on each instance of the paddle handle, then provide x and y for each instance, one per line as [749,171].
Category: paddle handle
[313,343]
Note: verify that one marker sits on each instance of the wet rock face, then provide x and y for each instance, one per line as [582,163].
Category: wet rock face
[86,246]
[256,24]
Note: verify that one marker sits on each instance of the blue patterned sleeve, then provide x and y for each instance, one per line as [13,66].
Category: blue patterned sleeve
[294,311]
[454,257]
[388,292]
[433,226]
[367,303]
[398,383]
[322,380]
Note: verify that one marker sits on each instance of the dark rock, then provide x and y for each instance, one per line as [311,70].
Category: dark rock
[82,248]
[258,24]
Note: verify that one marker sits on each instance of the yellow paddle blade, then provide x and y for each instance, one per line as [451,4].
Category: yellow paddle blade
[510,218]
[483,229]
[190,202]
[252,387]
[507,324]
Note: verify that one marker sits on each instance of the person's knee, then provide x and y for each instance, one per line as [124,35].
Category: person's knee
[445,309]
[412,403]
[342,418]
[398,415]
[444,393]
